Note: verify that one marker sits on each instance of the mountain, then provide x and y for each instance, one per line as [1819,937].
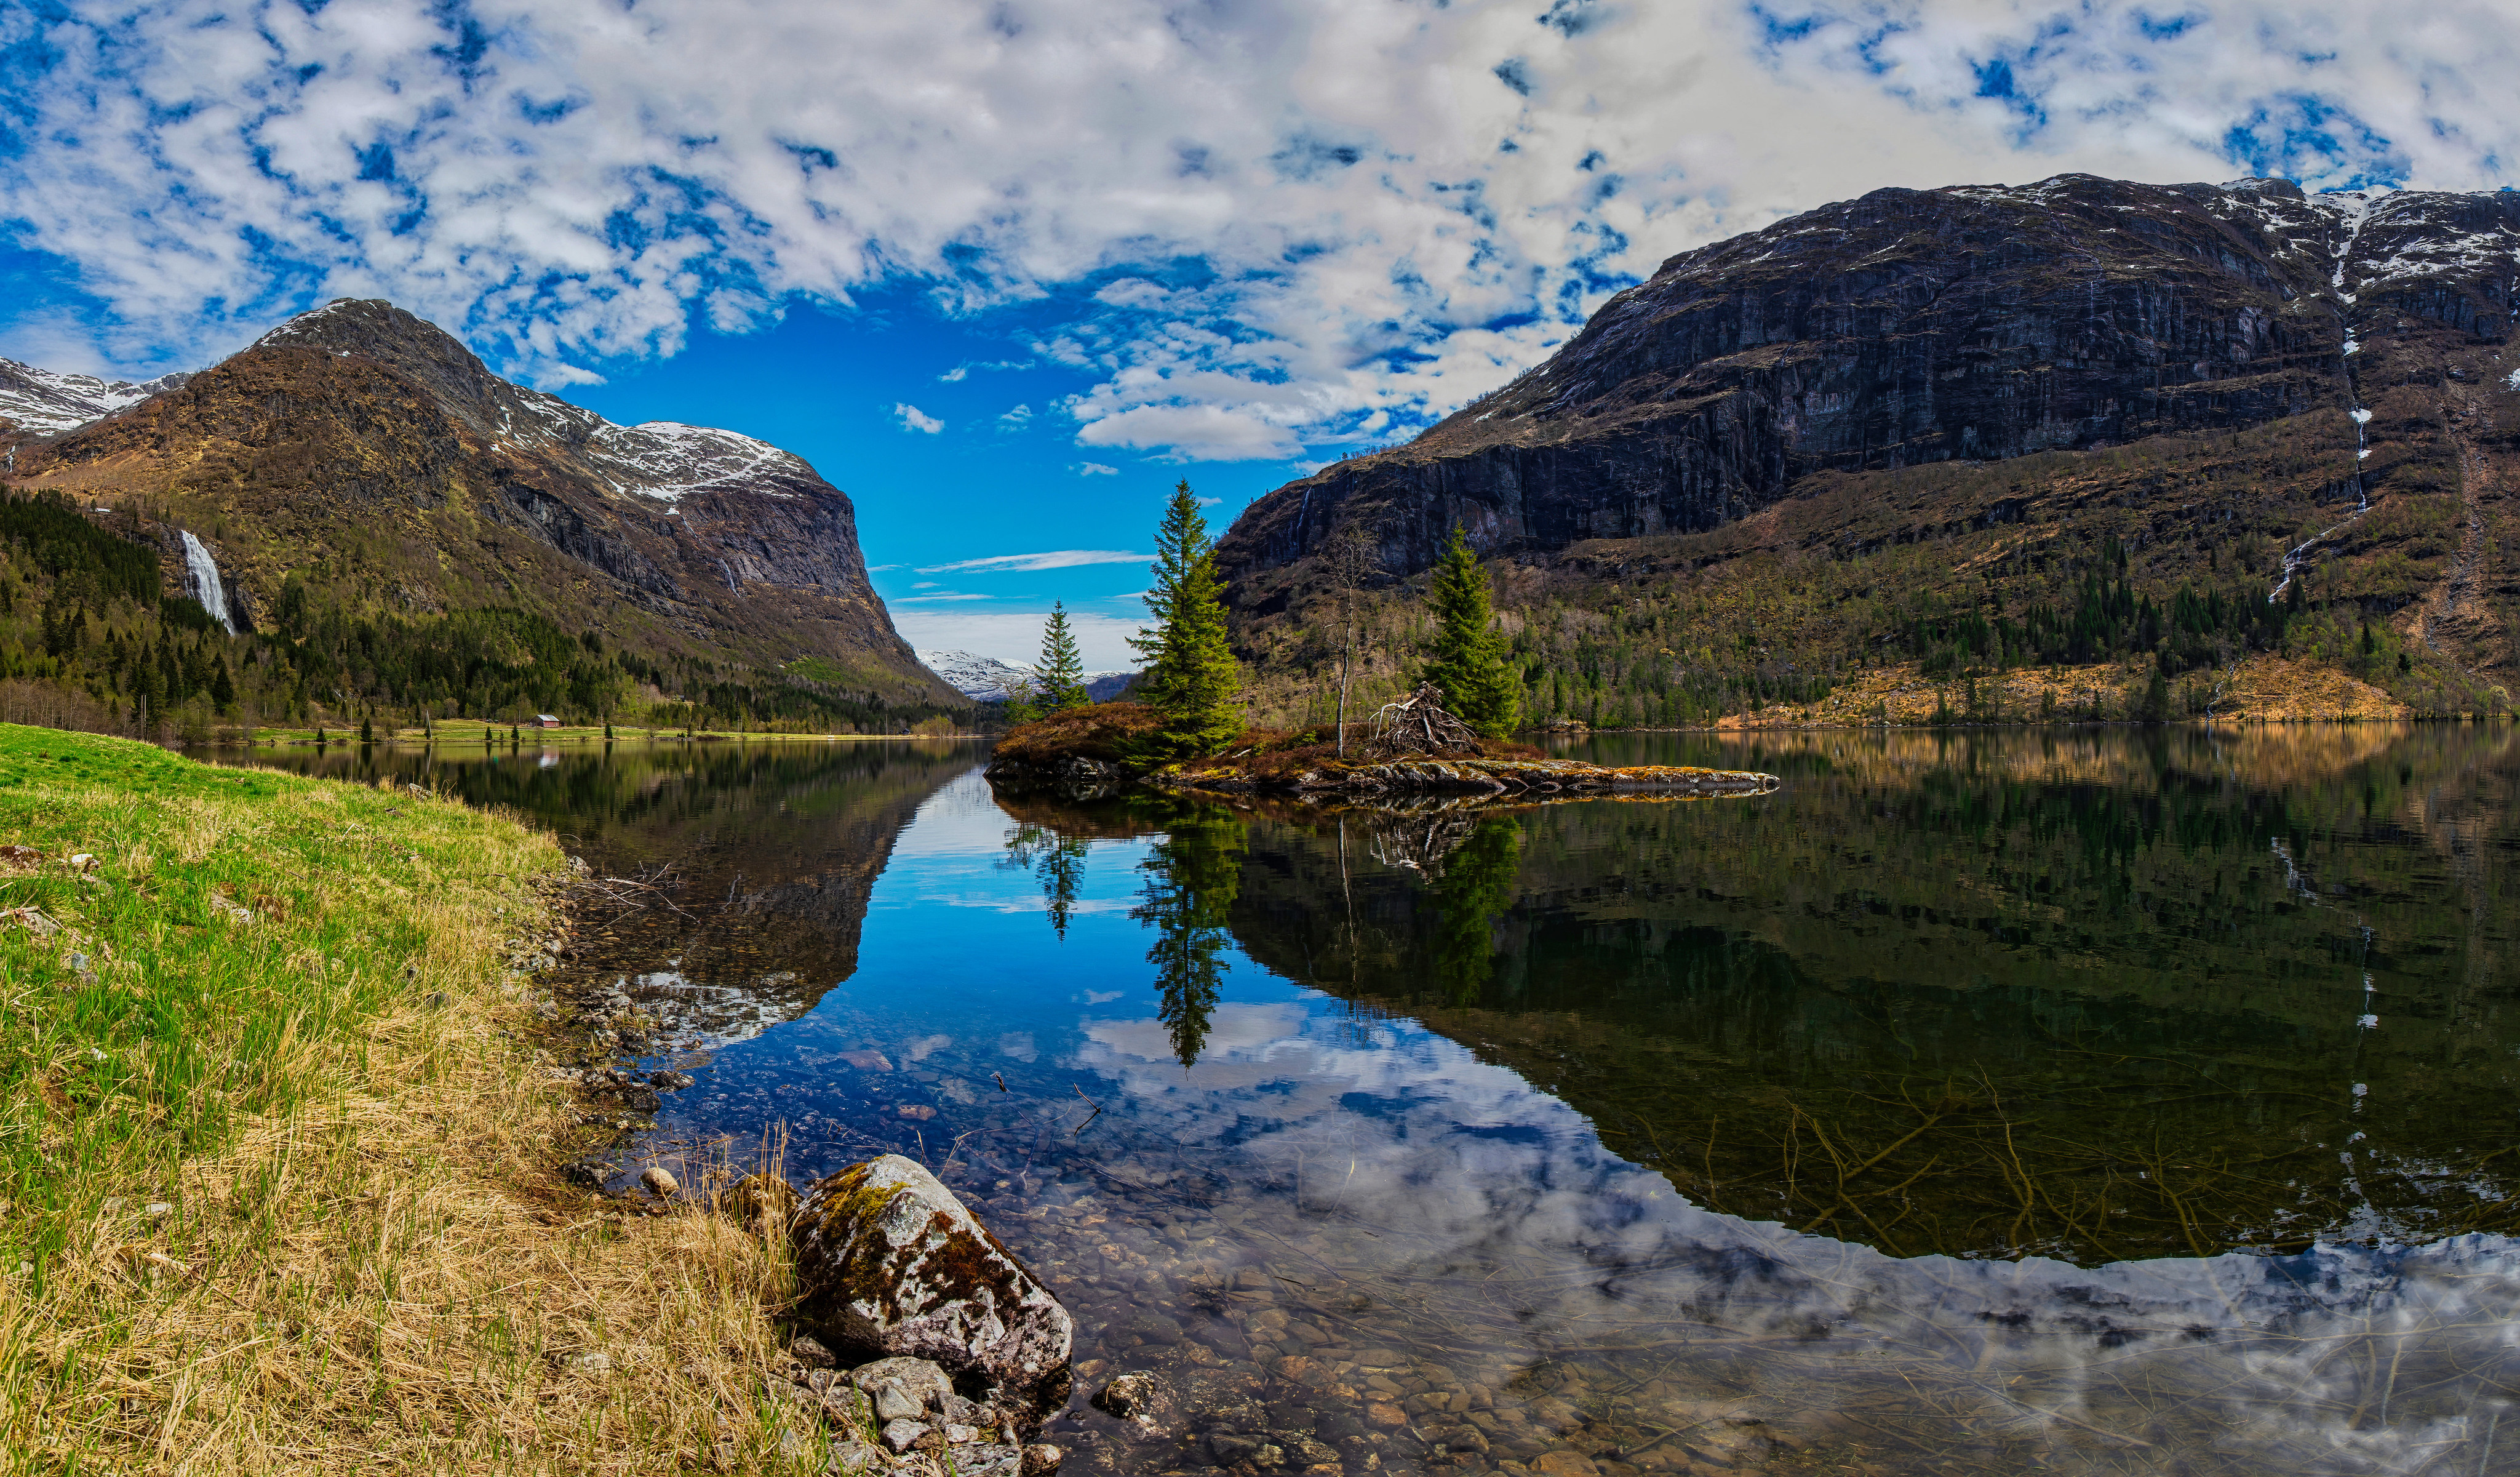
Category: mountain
[990,680]
[41,402]
[1863,434]
[369,458]
[985,678]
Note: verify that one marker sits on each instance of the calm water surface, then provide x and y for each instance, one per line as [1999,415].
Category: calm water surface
[2083,1101]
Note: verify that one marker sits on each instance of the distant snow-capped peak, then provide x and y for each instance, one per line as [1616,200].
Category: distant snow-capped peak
[977,676]
[990,680]
[48,402]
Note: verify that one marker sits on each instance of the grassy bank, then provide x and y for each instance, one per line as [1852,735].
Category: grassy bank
[275,1172]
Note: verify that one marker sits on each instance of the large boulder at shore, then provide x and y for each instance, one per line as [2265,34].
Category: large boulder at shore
[888,1259]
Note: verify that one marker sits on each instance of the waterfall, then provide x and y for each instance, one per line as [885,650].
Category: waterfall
[202,573]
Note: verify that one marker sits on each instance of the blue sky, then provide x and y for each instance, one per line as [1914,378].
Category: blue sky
[1225,241]
[1000,476]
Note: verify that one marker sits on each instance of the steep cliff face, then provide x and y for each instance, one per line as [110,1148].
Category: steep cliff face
[1974,327]
[376,457]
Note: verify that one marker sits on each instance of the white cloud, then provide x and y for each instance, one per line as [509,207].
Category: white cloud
[1133,292]
[912,418]
[955,375]
[1193,431]
[1015,419]
[941,595]
[1015,636]
[1286,223]
[1096,469]
[1028,564]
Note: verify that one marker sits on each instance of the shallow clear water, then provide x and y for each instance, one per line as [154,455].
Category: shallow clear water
[2092,1100]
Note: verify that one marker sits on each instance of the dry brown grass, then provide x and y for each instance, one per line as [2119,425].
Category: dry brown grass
[368,1264]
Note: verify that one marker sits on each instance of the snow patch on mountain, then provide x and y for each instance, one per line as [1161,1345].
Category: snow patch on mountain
[48,402]
[977,676]
[668,460]
[305,324]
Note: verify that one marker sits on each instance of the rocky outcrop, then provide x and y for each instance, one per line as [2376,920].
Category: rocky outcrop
[890,1262]
[1073,777]
[1904,328]
[367,451]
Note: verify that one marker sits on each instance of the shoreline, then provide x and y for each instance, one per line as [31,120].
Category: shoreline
[581,735]
[283,1192]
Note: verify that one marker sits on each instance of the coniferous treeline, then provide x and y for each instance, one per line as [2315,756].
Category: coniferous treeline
[1656,647]
[2108,620]
[81,610]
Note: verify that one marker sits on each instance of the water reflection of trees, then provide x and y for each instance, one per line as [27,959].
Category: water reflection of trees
[1474,887]
[2086,997]
[1058,861]
[1192,879]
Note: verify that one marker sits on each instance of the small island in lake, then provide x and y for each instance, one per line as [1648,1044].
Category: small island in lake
[1413,747]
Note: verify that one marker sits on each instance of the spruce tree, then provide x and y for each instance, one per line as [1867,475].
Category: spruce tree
[1191,676]
[1061,670]
[1468,661]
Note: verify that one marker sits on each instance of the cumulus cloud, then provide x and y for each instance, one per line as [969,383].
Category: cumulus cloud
[1096,469]
[1054,559]
[1015,636]
[913,418]
[1286,224]
[1015,419]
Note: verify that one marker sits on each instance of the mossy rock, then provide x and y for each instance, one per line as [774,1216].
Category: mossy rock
[892,1263]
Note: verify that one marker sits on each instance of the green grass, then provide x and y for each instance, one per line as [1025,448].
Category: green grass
[819,670]
[276,1165]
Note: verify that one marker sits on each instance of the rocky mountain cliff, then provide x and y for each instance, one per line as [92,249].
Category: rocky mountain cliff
[2312,382]
[376,459]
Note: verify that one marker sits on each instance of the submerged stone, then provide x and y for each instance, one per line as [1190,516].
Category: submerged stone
[1144,1404]
[764,1200]
[891,1262]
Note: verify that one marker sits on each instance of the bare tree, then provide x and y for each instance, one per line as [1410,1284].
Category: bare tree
[1348,560]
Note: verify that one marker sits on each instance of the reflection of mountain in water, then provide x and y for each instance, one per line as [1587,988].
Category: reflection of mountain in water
[2059,997]
[761,858]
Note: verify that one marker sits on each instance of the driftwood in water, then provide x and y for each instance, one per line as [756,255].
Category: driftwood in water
[1418,724]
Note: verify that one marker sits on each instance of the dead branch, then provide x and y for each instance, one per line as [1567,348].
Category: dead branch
[1418,724]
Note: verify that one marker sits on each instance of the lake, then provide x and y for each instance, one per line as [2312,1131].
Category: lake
[2079,1100]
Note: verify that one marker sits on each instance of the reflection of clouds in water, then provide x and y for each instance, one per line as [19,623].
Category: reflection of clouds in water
[2345,1359]
[959,820]
[704,1016]
[1235,1034]
[998,902]
[925,1046]
[1018,1045]
[1103,996]
[961,823]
